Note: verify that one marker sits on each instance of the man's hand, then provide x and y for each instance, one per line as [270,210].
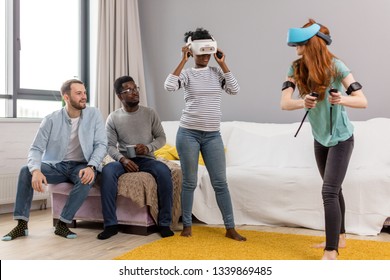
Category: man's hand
[37,179]
[87,175]
[141,149]
[129,165]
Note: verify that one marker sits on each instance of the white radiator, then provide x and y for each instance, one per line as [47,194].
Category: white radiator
[8,186]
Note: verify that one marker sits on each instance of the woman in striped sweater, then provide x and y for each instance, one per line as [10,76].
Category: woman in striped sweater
[199,129]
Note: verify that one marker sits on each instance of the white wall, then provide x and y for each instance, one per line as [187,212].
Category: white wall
[253,35]
[17,136]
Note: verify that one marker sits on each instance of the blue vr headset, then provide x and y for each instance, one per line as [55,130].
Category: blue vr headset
[300,36]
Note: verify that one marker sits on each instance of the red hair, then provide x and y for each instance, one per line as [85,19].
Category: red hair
[313,72]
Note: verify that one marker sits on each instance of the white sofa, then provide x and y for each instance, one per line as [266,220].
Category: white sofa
[273,177]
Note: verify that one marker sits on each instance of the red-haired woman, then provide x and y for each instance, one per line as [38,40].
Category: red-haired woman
[320,78]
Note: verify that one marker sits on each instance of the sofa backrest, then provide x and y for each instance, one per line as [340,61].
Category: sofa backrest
[372,144]
[170,129]
[274,145]
[270,145]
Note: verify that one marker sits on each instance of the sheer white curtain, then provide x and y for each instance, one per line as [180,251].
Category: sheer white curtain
[119,51]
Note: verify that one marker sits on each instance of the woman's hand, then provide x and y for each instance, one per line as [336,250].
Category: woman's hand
[310,101]
[335,98]
[221,60]
[219,56]
[186,50]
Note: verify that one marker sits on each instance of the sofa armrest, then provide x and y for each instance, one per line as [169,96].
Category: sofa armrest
[141,188]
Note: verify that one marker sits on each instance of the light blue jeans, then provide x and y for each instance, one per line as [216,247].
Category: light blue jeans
[66,171]
[189,143]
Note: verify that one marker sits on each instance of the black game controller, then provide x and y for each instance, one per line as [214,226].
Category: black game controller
[219,54]
[314,94]
[332,90]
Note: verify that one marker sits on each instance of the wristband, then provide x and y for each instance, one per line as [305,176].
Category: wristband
[288,84]
[353,87]
[92,167]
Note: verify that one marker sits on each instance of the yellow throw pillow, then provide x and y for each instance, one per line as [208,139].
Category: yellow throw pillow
[201,162]
[173,152]
[170,153]
[164,152]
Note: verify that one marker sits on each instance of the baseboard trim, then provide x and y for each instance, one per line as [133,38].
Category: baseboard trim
[41,204]
[139,230]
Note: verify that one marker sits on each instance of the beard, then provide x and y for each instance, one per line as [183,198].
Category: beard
[132,103]
[78,106]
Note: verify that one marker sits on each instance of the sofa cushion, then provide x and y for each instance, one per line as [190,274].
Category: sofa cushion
[376,153]
[170,129]
[65,188]
[278,149]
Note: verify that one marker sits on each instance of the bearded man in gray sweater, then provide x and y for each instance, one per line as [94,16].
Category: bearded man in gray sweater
[140,126]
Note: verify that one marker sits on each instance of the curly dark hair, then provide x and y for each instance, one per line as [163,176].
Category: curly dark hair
[120,81]
[199,34]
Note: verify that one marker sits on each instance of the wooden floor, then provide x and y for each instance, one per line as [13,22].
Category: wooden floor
[43,244]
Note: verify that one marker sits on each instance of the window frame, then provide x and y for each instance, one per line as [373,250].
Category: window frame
[13,51]
[8,56]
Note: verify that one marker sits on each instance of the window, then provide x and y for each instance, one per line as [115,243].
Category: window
[48,48]
[2,58]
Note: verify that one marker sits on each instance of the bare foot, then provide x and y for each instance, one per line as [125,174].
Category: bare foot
[330,255]
[233,234]
[342,242]
[186,232]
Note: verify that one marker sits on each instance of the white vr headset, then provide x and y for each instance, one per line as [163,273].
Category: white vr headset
[205,46]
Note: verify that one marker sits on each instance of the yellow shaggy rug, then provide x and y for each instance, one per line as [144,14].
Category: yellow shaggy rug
[209,243]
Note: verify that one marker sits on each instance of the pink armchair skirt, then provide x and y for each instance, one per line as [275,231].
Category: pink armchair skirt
[137,201]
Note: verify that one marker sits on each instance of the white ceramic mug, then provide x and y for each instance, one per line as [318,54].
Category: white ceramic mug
[131,151]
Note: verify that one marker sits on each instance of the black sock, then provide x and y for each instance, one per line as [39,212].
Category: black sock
[166,231]
[108,232]
[63,230]
[20,230]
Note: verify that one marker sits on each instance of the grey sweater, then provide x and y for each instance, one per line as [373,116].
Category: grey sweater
[140,127]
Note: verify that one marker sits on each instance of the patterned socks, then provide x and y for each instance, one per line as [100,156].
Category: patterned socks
[20,230]
[62,230]
[166,231]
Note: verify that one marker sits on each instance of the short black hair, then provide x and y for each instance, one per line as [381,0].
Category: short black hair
[199,34]
[120,81]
